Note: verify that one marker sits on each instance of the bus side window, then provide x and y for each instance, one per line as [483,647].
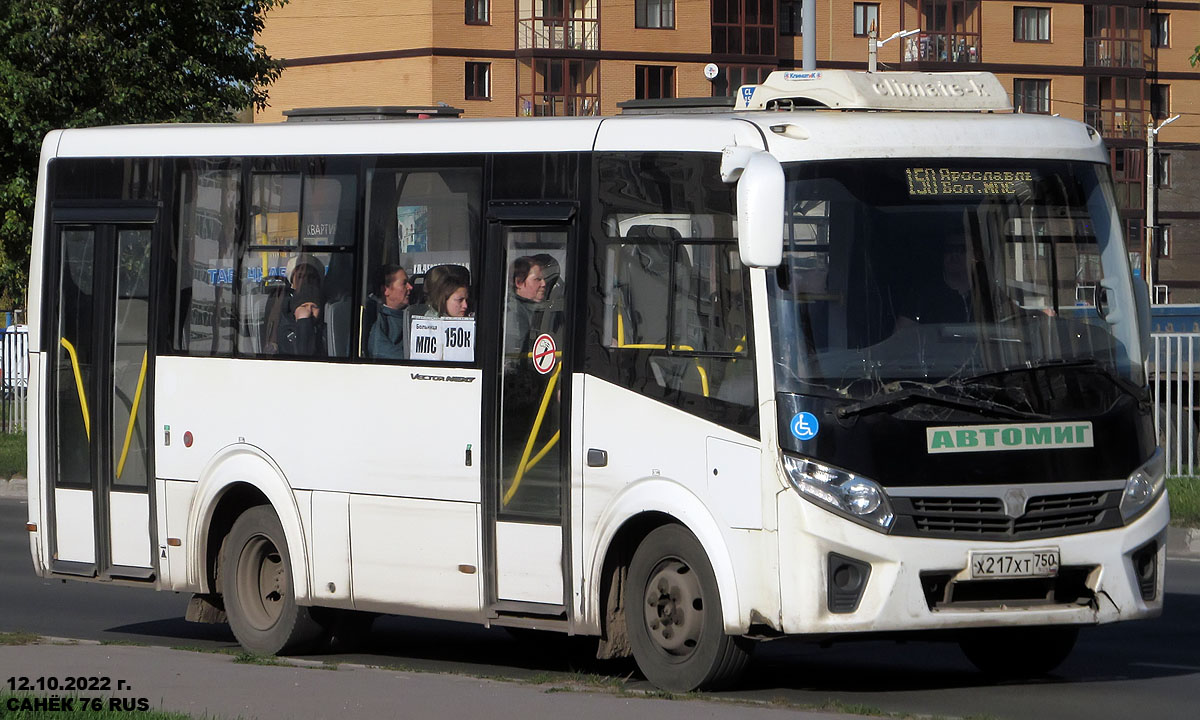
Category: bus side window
[209,222]
[418,218]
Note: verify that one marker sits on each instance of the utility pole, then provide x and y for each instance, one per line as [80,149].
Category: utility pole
[808,30]
[1151,220]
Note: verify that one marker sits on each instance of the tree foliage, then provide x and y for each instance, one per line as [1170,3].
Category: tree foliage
[80,63]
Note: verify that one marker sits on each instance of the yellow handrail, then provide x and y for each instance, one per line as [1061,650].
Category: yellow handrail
[537,425]
[137,401]
[87,423]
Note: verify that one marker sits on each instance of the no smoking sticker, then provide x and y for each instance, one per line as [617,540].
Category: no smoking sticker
[544,353]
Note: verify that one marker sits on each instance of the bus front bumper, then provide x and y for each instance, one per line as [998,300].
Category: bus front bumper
[909,583]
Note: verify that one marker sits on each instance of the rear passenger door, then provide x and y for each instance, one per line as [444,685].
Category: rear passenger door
[100,385]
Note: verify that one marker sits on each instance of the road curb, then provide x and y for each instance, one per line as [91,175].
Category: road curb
[15,488]
[1183,542]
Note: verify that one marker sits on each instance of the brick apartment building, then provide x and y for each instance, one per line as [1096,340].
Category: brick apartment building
[1116,65]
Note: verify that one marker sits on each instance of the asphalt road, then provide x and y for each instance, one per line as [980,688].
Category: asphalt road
[1147,669]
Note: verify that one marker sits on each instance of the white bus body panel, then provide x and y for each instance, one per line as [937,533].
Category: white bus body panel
[658,461]
[406,555]
[529,563]
[174,501]
[342,138]
[927,136]
[381,435]
[894,600]
[130,541]
[74,525]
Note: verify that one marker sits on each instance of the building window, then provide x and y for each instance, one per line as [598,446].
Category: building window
[951,31]
[732,77]
[1164,240]
[478,81]
[743,27]
[477,12]
[1113,36]
[1031,24]
[1163,171]
[1160,30]
[1160,101]
[654,13]
[654,81]
[789,17]
[866,16]
[1031,96]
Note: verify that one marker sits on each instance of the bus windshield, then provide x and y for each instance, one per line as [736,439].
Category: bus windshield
[933,275]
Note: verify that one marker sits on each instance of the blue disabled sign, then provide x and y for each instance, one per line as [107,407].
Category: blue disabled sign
[805,425]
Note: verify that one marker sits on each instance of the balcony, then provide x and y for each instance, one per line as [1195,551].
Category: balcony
[942,47]
[558,34]
[1106,52]
[1118,124]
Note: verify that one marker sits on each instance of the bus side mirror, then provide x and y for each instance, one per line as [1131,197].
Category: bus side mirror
[1141,296]
[760,187]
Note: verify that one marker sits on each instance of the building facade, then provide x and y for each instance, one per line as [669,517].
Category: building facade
[1121,66]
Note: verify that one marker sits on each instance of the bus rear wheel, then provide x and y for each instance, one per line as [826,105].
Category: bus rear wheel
[1020,652]
[674,615]
[256,580]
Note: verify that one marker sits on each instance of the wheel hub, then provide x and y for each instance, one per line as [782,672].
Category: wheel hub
[674,608]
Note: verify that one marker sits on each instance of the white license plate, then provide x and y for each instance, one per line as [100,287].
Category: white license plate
[1018,563]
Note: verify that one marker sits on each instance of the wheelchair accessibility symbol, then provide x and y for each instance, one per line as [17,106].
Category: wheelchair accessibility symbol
[805,425]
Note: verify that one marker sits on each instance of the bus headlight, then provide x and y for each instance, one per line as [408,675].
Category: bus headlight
[845,493]
[1144,486]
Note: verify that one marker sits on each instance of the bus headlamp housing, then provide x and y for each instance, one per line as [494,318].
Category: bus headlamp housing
[849,495]
[1144,486]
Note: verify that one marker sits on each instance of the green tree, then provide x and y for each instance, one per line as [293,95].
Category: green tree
[80,63]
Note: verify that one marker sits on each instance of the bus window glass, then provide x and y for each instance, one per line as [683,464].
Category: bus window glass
[674,314]
[298,271]
[947,276]
[210,201]
[423,226]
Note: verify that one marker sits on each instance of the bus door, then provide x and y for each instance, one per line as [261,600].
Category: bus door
[99,385]
[527,482]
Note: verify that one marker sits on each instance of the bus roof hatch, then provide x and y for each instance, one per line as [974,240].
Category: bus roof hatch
[848,90]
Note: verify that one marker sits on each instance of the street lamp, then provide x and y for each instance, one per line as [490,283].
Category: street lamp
[1151,167]
[873,45]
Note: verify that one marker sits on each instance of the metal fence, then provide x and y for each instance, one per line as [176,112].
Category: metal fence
[1171,371]
[14,364]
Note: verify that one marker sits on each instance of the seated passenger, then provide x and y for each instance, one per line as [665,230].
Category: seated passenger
[527,293]
[302,330]
[446,290]
[387,338]
[303,270]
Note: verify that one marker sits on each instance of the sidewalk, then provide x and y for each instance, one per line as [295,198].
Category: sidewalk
[211,685]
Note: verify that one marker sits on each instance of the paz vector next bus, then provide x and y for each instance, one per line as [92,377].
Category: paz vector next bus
[861,355]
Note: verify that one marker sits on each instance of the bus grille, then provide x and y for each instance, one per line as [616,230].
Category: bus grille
[984,518]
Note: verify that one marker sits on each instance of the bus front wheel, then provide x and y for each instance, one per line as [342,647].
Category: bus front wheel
[256,580]
[674,615]
[1019,652]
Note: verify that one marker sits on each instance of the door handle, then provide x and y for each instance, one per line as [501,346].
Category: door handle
[597,457]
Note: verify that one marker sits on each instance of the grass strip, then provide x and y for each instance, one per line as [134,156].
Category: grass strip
[1185,501]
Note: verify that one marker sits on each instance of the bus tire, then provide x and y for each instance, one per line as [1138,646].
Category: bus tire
[674,615]
[256,580]
[1019,652]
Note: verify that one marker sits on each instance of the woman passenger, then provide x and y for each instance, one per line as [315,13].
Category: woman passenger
[447,288]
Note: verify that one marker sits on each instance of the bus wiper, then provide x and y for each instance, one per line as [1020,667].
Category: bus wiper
[926,393]
[1065,364]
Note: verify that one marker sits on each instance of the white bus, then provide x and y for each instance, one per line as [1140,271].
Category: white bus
[813,367]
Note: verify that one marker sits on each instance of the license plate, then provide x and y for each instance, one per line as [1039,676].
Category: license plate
[1018,563]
